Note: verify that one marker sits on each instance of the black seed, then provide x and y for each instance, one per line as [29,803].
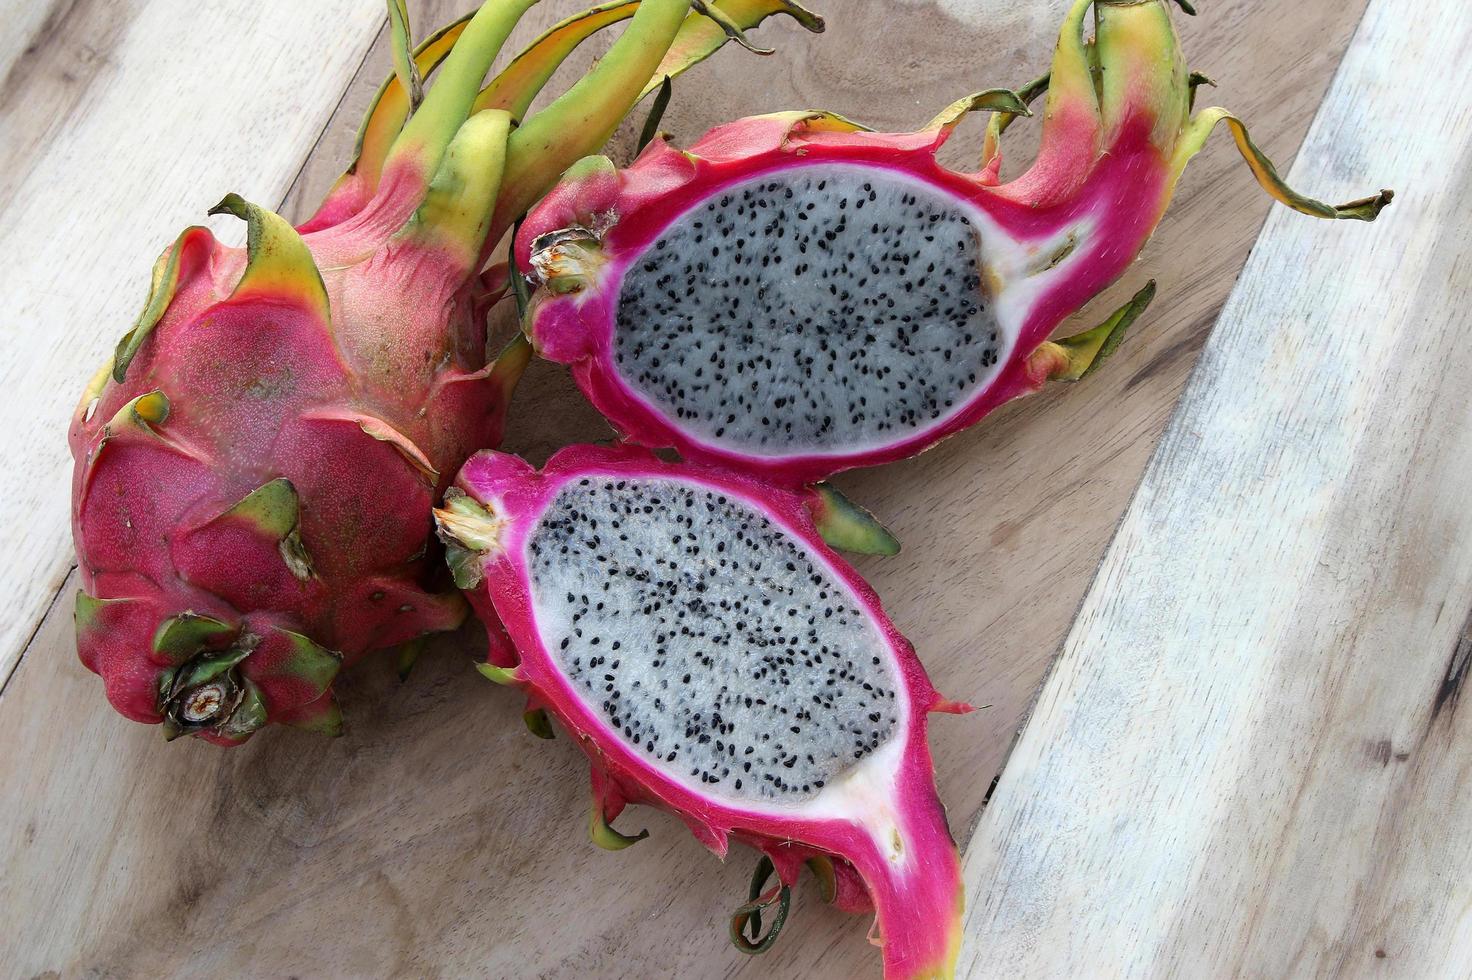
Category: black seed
[904,342]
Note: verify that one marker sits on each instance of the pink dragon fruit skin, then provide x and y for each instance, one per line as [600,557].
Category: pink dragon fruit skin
[1045,243]
[878,824]
[213,476]
[256,467]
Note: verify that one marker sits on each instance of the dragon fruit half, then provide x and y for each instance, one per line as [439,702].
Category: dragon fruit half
[256,466]
[797,295]
[715,658]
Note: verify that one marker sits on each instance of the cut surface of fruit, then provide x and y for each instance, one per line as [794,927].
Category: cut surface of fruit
[714,657]
[798,295]
[811,250]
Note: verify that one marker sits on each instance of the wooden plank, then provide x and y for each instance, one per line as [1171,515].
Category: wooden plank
[120,123]
[437,837]
[1251,759]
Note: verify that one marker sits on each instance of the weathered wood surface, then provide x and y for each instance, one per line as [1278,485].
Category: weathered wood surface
[1251,758]
[437,838]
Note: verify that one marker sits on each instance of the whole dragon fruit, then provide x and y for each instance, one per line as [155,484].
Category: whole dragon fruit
[256,467]
[796,295]
[715,658]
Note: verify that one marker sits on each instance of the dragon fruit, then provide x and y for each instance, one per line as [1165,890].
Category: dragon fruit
[256,466]
[715,658]
[796,295]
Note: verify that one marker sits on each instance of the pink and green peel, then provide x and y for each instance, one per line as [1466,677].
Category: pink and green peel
[1117,133]
[263,451]
[889,834]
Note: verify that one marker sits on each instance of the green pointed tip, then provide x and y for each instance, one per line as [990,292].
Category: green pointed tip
[151,408]
[808,20]
[161,290]
[185,635]
[746,923]
[516,279]
[248,717]
[500,675]
[822,869]
[87,612]
[847,526]
[405,68]
[656,113]
[232,204]
[1193,138]
[605,836]
[1194,81]
[538,723]
[272,508]
[409,654]
[324,717]
[204,669]
[1365,208]
[312,664]
[728,26]
[510,364]
[998,123]
[701,35]
[1085,351]
[279,266]
[1002,100]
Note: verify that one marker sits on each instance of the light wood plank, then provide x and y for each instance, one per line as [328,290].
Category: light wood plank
[437,837]
[1251,759]
[120,126]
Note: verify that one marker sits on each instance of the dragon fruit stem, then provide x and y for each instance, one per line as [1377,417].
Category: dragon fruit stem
[586,115]
[428,133]
[406,69]
[1072,81]
[515,86]
[456,211]
[1141,74]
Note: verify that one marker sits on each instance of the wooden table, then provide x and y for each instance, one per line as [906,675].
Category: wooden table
[1249,759]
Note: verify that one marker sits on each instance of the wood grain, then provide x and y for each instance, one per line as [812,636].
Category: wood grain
[120,123]
[1251,759]
[437,838]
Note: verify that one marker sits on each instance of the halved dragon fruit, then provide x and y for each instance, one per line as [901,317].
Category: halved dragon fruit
[715,658]
[256,466]
[797,295]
